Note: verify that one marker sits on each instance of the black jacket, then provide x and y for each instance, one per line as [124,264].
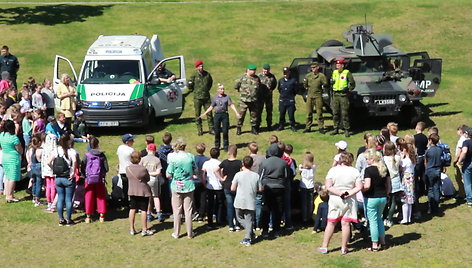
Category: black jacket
[274,171]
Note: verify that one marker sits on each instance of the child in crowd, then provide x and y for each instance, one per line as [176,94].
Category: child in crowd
[307,171]
[392,161]
[392,130]
[11,97]
[342,147]
[52,127]
[5,83]
[124,152]
[225,172]
[214,188]
[257,161]
[321,213]
[48,96]
[49,142]
[80,128]
[154,168]
[272,139]
[33,156]
[64,127]
[292,171]
[95,167]
[200,190]
[408,161]
[246,184]
[25,101]
[31,84]
[148,140]
[39,124]
[458,175]
[163,151]
[37,98]
[220,104]
[27,126]
[433,172]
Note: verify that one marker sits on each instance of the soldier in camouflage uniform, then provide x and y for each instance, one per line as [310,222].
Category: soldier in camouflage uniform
[342,82]
[200,83]
[268,84]
[248,86]
[313,84]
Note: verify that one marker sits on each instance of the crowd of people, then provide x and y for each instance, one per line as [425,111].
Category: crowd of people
[256,192]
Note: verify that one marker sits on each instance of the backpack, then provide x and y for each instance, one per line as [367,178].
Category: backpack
[446,157]
[93,169]
[60,167]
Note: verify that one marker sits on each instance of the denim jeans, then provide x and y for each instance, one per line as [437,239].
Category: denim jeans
[375,207]
[230,212]
[258,210]
[65,191]
[467,177]
[37,183]
[433,181]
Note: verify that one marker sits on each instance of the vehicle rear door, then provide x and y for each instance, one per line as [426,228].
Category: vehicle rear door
[425,72]
[62,65]
[167,98]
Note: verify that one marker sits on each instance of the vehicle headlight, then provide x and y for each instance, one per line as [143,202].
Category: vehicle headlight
[136,102]
[402,98]
[365,99]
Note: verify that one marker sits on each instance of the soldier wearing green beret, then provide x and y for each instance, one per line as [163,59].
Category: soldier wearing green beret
[342,82]
[200,83]
[268,84]
[314,83]
[248,85]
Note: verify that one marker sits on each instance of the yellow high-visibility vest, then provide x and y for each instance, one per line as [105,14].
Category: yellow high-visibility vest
[340,79]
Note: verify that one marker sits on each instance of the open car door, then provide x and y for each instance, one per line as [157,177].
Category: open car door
[167,98]
[62,65]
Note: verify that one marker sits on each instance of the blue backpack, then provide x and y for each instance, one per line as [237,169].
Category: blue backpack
[93,169]
[446,157]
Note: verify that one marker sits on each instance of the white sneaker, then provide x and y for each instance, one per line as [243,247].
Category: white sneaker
[174,236]
[146,233]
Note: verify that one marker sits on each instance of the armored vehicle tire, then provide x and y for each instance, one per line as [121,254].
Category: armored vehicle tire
[413,114]
[332,43]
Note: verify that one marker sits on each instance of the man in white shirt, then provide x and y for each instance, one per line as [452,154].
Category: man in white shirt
[124,153]
[214,188]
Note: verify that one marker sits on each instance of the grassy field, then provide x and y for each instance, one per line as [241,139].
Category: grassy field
[228,36]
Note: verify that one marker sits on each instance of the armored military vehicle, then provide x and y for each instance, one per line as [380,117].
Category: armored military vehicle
[389,82]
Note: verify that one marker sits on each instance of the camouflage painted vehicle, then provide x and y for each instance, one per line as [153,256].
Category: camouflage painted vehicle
[389,82]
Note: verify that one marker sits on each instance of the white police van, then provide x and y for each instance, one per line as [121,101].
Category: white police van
[117,86]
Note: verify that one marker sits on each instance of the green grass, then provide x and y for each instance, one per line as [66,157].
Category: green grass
[228,36]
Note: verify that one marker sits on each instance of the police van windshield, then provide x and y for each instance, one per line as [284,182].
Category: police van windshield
[374,64]
[111,72]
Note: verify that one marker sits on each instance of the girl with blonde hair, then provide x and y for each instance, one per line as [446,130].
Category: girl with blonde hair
[307,172]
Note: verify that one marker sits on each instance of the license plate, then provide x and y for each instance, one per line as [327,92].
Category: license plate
[385,102]
[108,124]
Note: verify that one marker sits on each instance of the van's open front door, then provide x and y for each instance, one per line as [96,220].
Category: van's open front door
[62,66]
[425,72]
[167,98]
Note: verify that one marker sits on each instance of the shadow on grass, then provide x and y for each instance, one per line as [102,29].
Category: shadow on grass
[50,14]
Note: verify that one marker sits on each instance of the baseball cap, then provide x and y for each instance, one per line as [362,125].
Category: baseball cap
[79,113]
[340,61]
[128,137]
[151,147]
[286,70]
[51,118]
[198,63]
[266,66]
[252,66]
[341,145]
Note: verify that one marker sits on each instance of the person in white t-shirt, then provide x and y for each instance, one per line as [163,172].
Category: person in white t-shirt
[307,180]
[458,175]
[214,187]
[124,158]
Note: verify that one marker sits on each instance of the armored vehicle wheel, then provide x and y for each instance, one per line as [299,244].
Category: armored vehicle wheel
[332,43]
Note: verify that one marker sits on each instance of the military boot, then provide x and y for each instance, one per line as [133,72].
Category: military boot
[335,132]
[281,127]
[347,133]
[211,132]
[238,131]
[322,130]
[254,131]
[200,132]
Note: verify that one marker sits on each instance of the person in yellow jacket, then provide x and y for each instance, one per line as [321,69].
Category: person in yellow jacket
[342,82]
[66,93]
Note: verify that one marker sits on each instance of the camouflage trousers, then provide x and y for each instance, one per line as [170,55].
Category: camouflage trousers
[317,103]
[200,107]
[253,109]
[340,107]
[267,101]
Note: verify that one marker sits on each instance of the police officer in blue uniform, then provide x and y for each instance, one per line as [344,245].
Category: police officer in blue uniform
[288,89]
